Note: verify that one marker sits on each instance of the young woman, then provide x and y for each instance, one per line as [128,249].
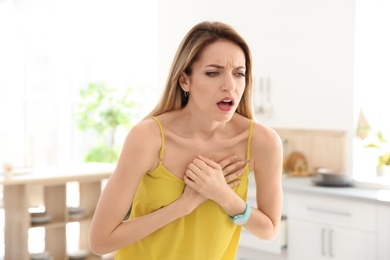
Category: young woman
[184,169]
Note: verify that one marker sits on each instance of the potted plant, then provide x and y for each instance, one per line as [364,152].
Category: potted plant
[102,111]
[379,142]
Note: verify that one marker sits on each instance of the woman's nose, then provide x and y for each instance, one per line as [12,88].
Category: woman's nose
[229,83]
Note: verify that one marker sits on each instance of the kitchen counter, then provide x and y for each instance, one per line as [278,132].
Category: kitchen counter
[57,174]
[305,185]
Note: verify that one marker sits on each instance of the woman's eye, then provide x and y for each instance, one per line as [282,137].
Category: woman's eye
[241,74]
[212,73]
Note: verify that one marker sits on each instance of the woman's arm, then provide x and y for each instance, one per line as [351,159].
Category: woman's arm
[140,154]
[267,152]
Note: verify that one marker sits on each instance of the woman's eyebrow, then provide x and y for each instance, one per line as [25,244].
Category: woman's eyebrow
[221,67]
[215,66]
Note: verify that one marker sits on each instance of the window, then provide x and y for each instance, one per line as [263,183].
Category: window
[49,50]
[372,82]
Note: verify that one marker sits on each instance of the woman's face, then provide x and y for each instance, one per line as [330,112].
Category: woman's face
[217,81]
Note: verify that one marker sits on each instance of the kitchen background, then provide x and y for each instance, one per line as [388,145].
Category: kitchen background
[318,62]
[320,70]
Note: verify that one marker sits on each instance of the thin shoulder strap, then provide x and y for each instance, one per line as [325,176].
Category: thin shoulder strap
[162,138]
[248,149]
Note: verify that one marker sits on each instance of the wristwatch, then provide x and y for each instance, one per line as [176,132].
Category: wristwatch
[241,219]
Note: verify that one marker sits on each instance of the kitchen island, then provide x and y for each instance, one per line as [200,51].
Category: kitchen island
[336,223]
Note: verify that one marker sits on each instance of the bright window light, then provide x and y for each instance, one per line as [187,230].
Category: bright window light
[51,49]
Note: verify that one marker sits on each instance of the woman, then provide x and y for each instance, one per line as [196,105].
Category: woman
[184,169]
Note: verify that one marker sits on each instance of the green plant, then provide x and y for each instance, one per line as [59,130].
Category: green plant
[103,110]
[384,159]
[379,142]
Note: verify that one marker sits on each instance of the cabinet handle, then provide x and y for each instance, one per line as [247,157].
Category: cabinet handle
[331,243]
[323,231]
[334,212]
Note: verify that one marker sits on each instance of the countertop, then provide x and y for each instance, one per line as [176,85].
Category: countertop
[305,185]
[57,174]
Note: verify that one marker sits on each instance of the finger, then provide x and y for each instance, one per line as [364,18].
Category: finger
[188,181]
[232,167]
[196,166]
[234,175]
[190,174]
[234,183]
[203,162]
[225,162]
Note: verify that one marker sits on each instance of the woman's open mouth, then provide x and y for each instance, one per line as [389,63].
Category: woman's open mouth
[225,104]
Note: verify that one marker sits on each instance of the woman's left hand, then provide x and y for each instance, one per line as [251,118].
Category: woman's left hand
[210,178]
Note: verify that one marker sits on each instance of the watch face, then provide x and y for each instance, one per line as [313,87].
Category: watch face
[240,221]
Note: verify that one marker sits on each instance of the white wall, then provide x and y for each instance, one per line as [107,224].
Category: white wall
[11,92]
[305,47]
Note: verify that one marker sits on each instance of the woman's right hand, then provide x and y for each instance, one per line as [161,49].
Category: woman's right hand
[230,170]
[192,197]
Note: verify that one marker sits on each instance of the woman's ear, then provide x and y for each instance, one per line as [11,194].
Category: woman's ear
[184,82]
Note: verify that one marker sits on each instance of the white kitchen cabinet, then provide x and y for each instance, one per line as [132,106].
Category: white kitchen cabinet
[305,240]
[311,240]
[346,243]
[383,231]
[328,228]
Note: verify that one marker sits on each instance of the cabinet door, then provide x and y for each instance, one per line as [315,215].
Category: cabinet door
[310,240]
[383,222]
[346,243]
[306,240]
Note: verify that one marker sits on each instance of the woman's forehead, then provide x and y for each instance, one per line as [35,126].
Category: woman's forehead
[222,53]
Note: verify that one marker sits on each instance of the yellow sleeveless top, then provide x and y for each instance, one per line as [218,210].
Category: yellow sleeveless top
[205,234]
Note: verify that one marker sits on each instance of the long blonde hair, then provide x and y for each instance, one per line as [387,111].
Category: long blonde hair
[194,42]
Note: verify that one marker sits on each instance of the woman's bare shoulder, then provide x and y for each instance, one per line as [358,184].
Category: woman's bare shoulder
[146,132]
[143,138]
[265,134]
[266,143]
[141,147]
[266,146]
